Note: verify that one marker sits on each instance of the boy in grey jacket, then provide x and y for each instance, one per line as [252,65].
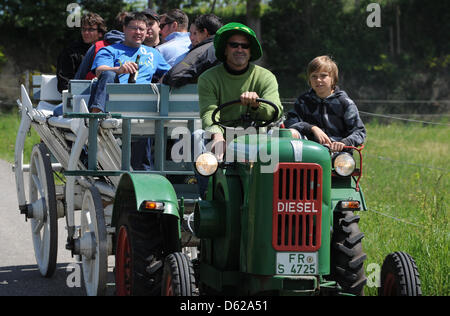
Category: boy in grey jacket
[325,113]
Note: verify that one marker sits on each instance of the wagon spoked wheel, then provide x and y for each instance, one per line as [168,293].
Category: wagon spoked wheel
[178,276]
[43,216]
[93,243]
[399,276]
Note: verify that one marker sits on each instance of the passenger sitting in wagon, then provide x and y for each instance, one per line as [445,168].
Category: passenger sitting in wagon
[325,113]
[116,63]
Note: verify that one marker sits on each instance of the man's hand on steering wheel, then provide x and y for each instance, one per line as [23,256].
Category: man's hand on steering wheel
[246,99]
[249,99]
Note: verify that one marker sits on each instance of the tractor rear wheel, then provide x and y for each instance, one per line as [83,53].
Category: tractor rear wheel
[347,256]
[178,276]
[399,276]
[139,258]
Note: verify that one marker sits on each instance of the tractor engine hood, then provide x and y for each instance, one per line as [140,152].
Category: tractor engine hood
[269,150]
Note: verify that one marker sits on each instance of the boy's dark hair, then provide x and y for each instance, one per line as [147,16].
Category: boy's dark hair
[92,19]
[210,22]
[139,16]
[176,15]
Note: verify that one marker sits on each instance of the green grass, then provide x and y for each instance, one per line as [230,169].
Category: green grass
[406,176]
[9,125]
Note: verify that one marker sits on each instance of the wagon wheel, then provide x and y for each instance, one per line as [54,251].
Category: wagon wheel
[399,276]
[139,258]
[93,243]
[178,276]
[43,217]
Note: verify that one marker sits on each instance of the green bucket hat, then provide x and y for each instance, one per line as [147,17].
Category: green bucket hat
[226,31]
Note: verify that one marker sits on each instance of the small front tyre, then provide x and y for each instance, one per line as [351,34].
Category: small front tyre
[178,276]
[399,276]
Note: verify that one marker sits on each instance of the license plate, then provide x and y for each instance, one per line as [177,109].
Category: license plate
[297,263]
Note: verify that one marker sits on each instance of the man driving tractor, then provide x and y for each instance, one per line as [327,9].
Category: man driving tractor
[236,46]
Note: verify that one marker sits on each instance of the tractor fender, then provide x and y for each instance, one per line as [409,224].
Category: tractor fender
[134,189]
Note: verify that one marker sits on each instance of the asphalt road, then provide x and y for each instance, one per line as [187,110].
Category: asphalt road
[19,274]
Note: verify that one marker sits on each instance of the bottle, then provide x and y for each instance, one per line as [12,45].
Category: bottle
[132,78]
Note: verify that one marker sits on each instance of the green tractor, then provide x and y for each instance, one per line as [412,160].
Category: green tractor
[279,218]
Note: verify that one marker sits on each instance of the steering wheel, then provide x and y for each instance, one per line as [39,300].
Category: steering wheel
[244,117]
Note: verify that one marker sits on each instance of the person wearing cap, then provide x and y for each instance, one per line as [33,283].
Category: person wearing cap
[153,29]
[175,35]
[236,45]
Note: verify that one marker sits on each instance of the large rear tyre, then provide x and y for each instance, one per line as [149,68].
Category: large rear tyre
[347,256]
[178,276]
[43,216]
[399,276]
[139,258]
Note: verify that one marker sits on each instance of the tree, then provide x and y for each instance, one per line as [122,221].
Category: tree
[35,32]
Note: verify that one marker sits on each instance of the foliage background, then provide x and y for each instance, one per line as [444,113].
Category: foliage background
[406,58]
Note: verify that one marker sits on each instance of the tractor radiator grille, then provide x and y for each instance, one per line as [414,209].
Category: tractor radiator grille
[297,207]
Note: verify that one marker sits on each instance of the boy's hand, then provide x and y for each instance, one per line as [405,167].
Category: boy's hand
[321,137]
[295,133]
[337,146]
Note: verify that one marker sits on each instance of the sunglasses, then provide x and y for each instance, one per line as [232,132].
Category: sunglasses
[236,45]
[162,25]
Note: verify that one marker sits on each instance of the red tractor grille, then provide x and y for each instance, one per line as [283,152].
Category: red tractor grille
[297,207]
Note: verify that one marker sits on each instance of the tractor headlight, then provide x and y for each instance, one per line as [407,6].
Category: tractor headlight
[206,164]
[344,164]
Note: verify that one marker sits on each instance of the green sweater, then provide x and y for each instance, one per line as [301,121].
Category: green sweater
[216,86]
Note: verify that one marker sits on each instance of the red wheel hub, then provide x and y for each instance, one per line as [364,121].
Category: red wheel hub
[169,288]
[123,264]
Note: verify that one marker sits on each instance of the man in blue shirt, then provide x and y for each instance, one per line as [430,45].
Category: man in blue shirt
[174,32]
[116,62]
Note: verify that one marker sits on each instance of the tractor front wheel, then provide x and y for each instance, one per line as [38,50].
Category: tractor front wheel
[399,276]
[178,276]
[347,256]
